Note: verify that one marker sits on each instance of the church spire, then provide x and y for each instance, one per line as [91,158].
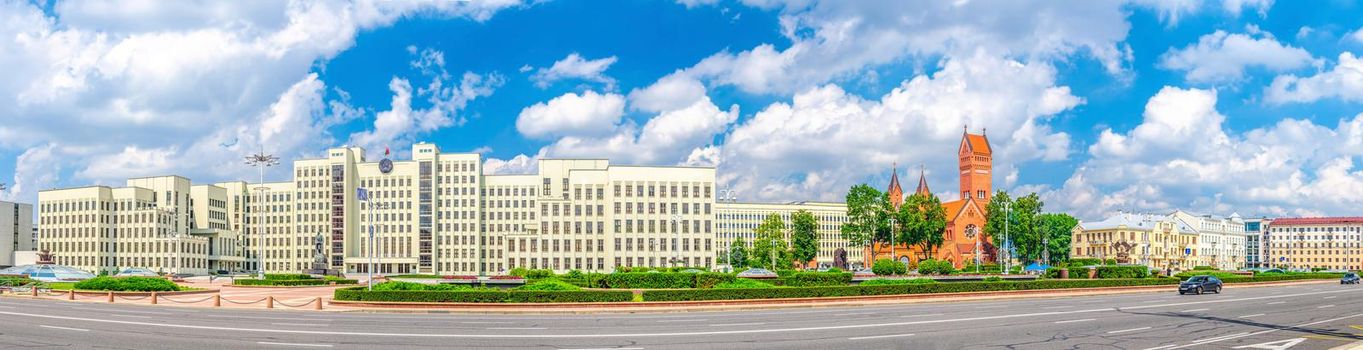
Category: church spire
[895,192]
[922,181]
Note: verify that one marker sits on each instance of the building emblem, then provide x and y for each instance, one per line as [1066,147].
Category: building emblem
[385,165]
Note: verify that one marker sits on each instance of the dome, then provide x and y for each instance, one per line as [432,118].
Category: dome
[48,272]
[137,271]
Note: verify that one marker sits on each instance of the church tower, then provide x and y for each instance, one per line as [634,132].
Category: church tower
[977,167]
[895,192]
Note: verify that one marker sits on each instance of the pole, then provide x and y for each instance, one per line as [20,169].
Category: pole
[1007,217]
[370,203]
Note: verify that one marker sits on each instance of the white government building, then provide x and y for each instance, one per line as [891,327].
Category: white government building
[16,227]
[434,214]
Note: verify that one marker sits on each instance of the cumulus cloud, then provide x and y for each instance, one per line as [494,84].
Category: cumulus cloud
[586,114]
[575,67]
[1182,157]
[1344,81]
[1171,11]
[1223,57]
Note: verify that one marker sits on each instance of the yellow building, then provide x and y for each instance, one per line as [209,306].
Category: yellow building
[739,220]
[1157,241]
[1331,243]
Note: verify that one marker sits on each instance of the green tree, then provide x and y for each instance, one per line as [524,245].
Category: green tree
[994,219]
[770,251]
[925,221]
[1056,227]
[804,236]
[866,216]
[738,253]
[1025,237]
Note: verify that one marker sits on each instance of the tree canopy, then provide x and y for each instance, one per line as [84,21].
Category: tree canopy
[770,251]
[867,220]
[804,236]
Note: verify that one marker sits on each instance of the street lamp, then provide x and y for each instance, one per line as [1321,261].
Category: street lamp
[261,161]
[174,236]
[1007,217]
[362,194]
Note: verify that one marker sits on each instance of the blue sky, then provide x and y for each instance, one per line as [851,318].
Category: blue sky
[1248,106]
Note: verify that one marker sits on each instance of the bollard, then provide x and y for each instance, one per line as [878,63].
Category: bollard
[34,291]
[217,300]
[319,304]
[153,298]
[71,295]
[269,302]
[111,297]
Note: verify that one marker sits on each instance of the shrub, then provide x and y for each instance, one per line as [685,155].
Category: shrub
[549,284]
[1203,268]
[1084,262]
[1053,272]
[519,272]
[280,283]
[712,279]
[807,279]
[1123,272]
[993,279]
[287,276]
[651,280]
[128,284]
[983,269]
[14,280]
[540,273]
[743,283]
[834,269]
[896,282]
[864,290]
[483,296]
[887,267]
[573,274]
[1218,274]
[1080,272]
[935,267]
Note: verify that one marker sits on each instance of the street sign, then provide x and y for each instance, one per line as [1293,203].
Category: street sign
[362,194]
[1187,251]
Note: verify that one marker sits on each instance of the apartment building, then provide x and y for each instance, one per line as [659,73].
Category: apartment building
[16,224]
[1221,240]
[1156,241]
[739,220]
[1331,243]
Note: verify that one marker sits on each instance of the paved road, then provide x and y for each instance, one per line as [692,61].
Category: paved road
[1311,316]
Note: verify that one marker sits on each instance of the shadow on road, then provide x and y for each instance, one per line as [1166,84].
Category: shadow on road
[1251,323]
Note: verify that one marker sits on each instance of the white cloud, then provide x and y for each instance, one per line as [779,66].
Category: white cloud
[676,90]
[1171,11]
[1344,81]
[1181,156]
[589,114]
[667,138]
[1222,57]
[825,140]
[520,164]
[575,67]
[1357,35]
[836,40]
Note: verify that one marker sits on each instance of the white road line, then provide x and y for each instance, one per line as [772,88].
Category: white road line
[295,344]
[1161,347]
[1254,315]
[116,310]
[1129,330]
[1332,297]
[300,324]
[1194,310]
[921,315]
[1073,321]
[1059,307]
[485,322]
[738,324]
[1325,306]
[132,316]
[1276,303]
[855,314]
[881,336]
[606,349]
[691,334]
[1263,332]
[65,328]
[1220,338]
[670,321]
[517,328]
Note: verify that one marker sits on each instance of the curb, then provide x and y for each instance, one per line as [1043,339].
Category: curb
[756,304]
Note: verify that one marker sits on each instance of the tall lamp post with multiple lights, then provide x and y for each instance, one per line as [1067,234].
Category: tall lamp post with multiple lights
[261,161]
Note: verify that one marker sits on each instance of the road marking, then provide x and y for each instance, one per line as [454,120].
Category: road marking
[65,328]
[1276,303]
[300,324]
[692,334]
[1194,310]
[1220,338]
[1275,329]
[606,349]
[1161,347]
[881,336]
[855,314]
[516,328]
[111,310]
[1059,307]
[1332,297]
[484,322]
[1325,306]
[1254,315]
[1129,330]
[132,316]
[1073,321]
[695,320]
[295,344]
[738,324]
[920,315]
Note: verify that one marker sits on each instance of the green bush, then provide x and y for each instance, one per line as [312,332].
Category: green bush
[983,269]
[549,284]
[1053,272]
[483,296]
[935,267]
[14,281]
[1218,274]
[288,276]
[519,272]
[864,290]
[1123,272]
[654,280]
[128,284]
[993,279]
[712,279]
[1282,277]
[1203,268]
[540,273]
[1085,262]
[278,283]
[834,269]
[810,279]
[1080,272]
[896,282]
[412,276]
[887,267]
[743,283]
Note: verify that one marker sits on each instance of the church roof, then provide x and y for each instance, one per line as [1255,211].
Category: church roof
[953,208]
[922,183]
[895,192]
[978,143]
[894,181]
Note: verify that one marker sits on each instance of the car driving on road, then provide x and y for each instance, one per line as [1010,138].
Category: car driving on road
[1200,284]
[1349,278]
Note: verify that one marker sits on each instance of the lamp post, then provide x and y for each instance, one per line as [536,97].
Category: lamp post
[1007,217]
[174,237]
[893,256]
[261,161]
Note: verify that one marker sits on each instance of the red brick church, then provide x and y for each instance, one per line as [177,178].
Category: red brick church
[965,216]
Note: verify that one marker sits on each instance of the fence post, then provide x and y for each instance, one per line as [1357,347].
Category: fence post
[111,297]
[319,304]
[217,300]
[269,302]
[153,298]
[71,295]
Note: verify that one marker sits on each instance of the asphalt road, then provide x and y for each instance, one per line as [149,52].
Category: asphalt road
[1313,316]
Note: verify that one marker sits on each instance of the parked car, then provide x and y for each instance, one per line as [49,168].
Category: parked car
[1349,278]
[1200,284]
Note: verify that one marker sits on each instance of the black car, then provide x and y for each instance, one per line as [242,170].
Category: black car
[1200,284]
[1349,278]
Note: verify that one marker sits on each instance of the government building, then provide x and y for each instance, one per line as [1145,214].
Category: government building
[436,213]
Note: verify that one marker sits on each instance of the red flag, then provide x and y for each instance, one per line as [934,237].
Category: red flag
[385,150]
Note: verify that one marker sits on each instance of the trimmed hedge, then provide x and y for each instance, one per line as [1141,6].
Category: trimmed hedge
[1204,268]
[128,284]
[1282,277]
[288,276]
[896,282]
[957,287]
[887,267]
[483,296]
[549,284]
[663,280]
[291,283]
[1123,272]
[743,283]
[811,279]
[712,279]
[935,267]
